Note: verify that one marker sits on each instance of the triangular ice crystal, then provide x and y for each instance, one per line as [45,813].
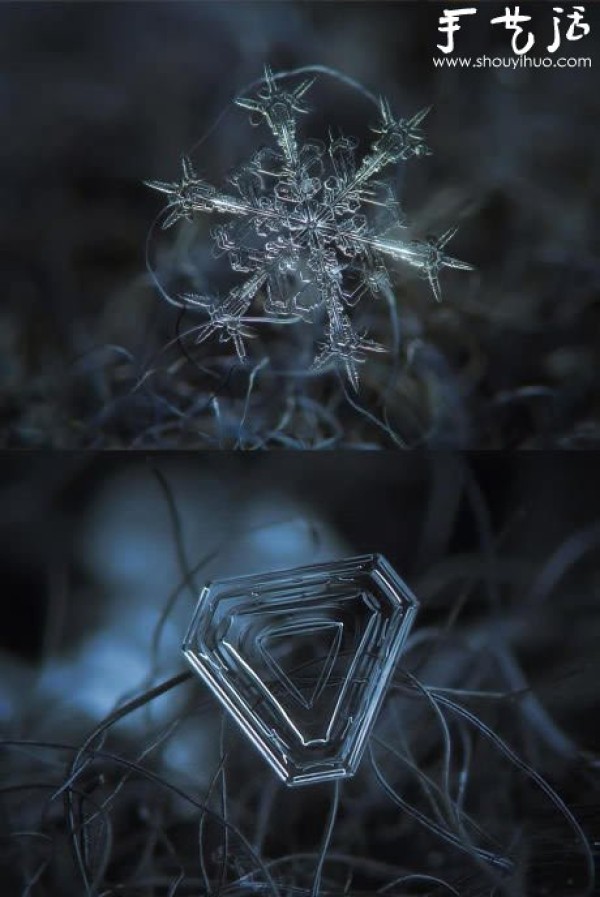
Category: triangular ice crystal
[302,659]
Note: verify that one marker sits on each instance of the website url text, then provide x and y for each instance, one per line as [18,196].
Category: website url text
[512,62]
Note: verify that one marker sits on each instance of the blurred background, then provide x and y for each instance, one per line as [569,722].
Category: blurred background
[501,550]
[95,98]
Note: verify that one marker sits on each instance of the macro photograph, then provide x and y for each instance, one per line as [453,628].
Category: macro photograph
[299,448]
[300,225]
[221,677]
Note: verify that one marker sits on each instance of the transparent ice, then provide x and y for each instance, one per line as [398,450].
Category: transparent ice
[302,659]
[309,227]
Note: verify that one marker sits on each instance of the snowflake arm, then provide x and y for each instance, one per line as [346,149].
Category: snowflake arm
[192,194]
[279,108]
[226,315]
[397,140]
[426,255]
[345,349]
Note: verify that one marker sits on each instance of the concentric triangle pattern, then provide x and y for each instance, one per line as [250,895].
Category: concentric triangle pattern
[302,657]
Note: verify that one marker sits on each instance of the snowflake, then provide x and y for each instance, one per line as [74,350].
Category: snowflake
[309,227]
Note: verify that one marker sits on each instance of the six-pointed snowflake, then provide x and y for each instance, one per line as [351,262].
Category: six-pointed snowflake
[308,226]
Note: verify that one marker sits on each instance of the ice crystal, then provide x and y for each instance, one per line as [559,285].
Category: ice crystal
[302,659]
[310,227]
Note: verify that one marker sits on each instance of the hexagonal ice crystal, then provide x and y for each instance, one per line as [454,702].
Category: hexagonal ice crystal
[302,659]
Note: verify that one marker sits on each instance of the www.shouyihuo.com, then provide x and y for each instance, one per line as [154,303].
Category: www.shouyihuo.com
[512,62]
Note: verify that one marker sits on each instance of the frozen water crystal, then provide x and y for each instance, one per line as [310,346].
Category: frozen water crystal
[302,659]
[309,226]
